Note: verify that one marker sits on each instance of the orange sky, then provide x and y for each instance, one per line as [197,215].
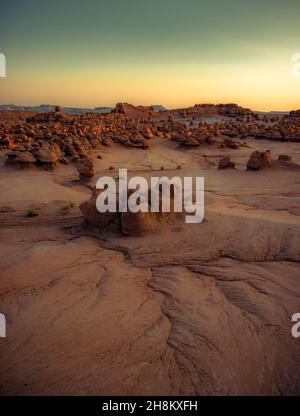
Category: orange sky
[171,53]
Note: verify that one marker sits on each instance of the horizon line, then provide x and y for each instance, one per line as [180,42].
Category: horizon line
[143,105]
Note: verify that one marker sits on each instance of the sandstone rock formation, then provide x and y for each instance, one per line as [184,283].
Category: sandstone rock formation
[127,223]
[226,110]
[259,160]
[85,168]
[140,112]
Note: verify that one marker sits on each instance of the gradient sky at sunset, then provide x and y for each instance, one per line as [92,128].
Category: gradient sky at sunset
[170,52]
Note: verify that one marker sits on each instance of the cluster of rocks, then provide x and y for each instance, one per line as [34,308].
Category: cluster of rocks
[47,155]
[285,128]
[204,133]
[48,138]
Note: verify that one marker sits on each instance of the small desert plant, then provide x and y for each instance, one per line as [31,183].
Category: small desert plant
[178,166]
[31,212]
[69,206]
[162,168]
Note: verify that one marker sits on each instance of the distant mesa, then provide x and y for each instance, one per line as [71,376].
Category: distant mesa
[47,108]
[295,113]
[158,108]
[140,112]
[226,110]
[122,108]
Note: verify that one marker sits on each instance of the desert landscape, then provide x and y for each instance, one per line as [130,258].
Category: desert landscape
[116,119]
[144,304]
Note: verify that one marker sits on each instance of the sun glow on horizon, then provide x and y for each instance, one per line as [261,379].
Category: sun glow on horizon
[160,53]
[256,87]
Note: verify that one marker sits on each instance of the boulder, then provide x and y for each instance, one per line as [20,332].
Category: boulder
[259,160]
[85,168]
[107,221]
[48,155]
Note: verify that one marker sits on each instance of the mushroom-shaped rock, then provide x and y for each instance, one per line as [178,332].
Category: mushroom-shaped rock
[85,168]
[259,160]
[129,223]
[48,155]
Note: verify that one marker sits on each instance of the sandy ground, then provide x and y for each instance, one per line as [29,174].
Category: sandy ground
[192,309]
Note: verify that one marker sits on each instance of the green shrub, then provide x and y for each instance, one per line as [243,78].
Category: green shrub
[31,212]
[69,206]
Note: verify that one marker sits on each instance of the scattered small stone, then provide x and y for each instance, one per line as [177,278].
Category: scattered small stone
[286,158]
[225,163]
